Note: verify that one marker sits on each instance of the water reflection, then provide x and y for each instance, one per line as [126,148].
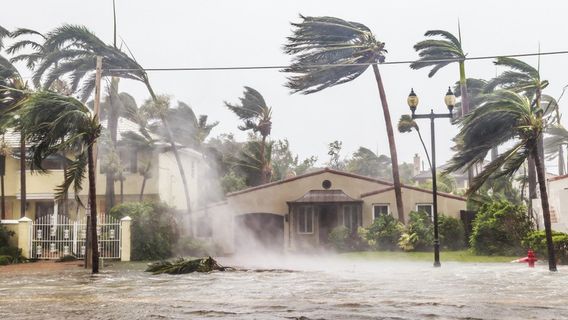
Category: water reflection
[304,289]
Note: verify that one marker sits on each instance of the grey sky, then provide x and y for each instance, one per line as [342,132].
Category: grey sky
[246,32]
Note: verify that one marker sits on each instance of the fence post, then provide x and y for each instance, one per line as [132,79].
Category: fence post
[125,238]
[24,236]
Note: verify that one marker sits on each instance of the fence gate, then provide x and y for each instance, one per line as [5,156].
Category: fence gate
[55,236]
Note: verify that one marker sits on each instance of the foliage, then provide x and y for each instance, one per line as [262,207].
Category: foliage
[418,234]
[384,233]
[232,182]
[342,239]
[498,229]
[181,266]
[334,149]
[284,163]
[437,53]
[452,233]
[444,183]
[8,253]
[536,240]
[365,162]
[154,229]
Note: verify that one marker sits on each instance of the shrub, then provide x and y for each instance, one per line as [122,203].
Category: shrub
[154,231]
[498,229]
[384,233]
[452,233]
[342,239]
[418,234]
[8,253]
[191,247]
[537,241]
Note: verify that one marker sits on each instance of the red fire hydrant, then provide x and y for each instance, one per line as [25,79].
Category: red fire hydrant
[530,259]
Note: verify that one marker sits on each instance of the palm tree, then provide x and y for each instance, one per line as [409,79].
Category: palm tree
[506,116]
[249,161]
[330,51]
[61,124]
[188,129]
[522,78]
[71,50]
[437,54]
[406,124]
[256,116]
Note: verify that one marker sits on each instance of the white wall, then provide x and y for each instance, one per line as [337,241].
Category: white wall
[170,183]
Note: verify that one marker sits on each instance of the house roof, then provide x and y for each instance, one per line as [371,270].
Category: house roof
[310,174]
[320,196]
[441,194]
[427,174]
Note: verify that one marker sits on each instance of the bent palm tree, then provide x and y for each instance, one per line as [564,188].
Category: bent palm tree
[256,116]
[72,50]
[406,124]
[330,51]
[59,124]
[506,116]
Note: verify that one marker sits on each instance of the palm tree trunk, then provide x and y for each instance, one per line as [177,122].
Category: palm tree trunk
[494,153]
[561,164]
[263,175]
[424,146]
[545,208]
[3,204]
[112,122]
[93,206]
[465,109]
[532,185]
[142,189]
[392,145]
[145,177]
[175,152]
[22,175]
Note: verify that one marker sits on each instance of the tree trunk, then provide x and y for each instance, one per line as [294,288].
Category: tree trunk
[545,208]
[145,177]
[494,153]
[142,189]
[263,162]
[3,197]
[532,185]
[22,175]
[425,149]
[93,206]
[392,145]
[112,124]
[175,152]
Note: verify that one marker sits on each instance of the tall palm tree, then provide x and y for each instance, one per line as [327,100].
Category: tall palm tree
[438,53]
[71,50]
[522,78]
[249,161]
[56,124]
[188,129]
[330,51]
[505,117]
[256,116]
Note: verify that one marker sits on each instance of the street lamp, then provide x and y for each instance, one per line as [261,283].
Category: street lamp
[450,101]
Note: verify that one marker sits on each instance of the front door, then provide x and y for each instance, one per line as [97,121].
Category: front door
[327,221]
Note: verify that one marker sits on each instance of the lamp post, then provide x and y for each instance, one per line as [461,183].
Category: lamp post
[450,101]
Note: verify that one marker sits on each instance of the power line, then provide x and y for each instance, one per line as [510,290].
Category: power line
[341,65]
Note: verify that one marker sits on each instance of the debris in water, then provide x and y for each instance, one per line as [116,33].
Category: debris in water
[181,265]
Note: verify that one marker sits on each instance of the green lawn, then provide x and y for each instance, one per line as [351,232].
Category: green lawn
[459,256]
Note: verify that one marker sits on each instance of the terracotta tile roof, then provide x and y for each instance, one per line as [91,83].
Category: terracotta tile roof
[440,194]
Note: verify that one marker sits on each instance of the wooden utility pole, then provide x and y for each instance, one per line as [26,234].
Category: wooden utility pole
[92,247]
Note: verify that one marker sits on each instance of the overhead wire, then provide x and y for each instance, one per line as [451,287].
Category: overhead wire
[226,68]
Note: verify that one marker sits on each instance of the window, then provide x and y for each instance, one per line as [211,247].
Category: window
[380,209]
[306,219]
[351,217]
[425,207]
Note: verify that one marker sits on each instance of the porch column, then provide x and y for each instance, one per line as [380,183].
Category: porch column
[125,238]
[25,236]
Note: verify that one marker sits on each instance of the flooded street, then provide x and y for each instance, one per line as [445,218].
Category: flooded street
[310,289]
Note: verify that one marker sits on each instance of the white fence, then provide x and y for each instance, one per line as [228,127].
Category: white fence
[55,236]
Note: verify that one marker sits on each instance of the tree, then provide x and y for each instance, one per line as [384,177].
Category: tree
[525,79]
[72,50]
[256,116]
[505,117]
[365,162]
[330,51]
[285,163]
[55,124]
[249,161]
[334,151]
[406,124]
[440,53]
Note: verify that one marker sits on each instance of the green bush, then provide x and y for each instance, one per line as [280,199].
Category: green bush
[191,247]
[154,232]
[537,241]
[8,253]
[498,229]
[451,232]
[342,239]
[418,234]
[384,233]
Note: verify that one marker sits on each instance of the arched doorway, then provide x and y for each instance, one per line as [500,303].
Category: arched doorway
[259,231]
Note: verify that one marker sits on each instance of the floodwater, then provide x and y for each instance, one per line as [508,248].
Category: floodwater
[301,288]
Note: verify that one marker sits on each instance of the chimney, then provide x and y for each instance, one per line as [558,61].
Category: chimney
[416,166]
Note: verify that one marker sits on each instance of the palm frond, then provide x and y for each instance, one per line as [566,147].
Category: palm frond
[74,176]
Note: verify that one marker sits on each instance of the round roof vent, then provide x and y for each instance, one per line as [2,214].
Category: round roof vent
[326,184]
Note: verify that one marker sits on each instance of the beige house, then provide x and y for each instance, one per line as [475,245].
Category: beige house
[557,188]
[298,213]
[164,182]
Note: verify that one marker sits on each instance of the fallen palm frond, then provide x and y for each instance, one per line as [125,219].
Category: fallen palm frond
[181,266]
